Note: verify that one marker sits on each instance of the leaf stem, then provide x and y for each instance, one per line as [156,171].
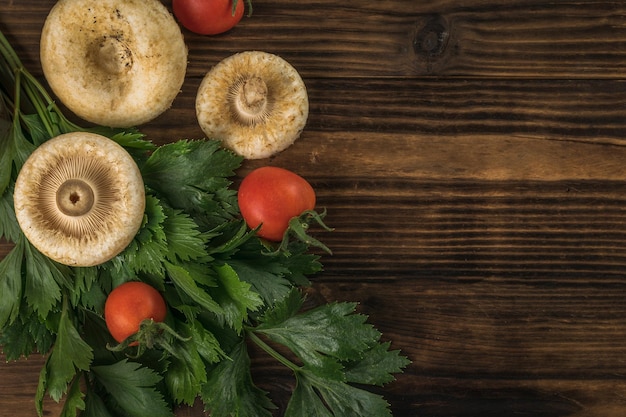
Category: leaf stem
[272,352]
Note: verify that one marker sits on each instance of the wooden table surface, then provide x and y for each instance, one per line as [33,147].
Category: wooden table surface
[471,155]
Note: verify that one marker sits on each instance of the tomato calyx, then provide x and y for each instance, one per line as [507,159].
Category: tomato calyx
[248,6]
[298,228]
[152,334]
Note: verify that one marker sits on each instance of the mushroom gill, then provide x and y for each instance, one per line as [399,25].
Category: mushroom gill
[80,199]
[77,196]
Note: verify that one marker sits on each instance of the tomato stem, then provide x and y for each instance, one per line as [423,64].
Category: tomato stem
[151,334]
[299,226]
[248,4]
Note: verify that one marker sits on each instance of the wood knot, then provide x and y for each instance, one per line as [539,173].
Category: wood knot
[431,37]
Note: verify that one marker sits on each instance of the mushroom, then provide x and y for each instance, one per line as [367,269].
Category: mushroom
[113,63]
[79,198]
[254,102]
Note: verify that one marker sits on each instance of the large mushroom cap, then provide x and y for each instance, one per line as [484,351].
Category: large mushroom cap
[254,102]
[114,63]
[79,199]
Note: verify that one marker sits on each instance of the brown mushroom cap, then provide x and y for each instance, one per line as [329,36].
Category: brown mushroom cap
[80,199]
[254,102]
[114,63]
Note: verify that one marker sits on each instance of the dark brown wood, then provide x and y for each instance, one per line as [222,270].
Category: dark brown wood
[471,158]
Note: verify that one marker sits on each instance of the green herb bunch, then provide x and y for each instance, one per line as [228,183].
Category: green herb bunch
[224,287]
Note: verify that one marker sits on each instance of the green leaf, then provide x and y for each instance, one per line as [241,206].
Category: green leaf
[24,336]
[22,147]
[264,274]
[206,343]
[14,150]
[315,396]
[41,281]
[377,366]
[230,391]
[84,279]
[235,297]
[185,241]
[9,228]
[301,264]
[187,371]
[129,139]
[147,251]
[186,283]
[69,354]
[132,387]
[6,150]
[89,292]
[323,336]
[95,406]
[305,402]
[193,176]
[74,401]
[11,284]
[285,308]
[274,276]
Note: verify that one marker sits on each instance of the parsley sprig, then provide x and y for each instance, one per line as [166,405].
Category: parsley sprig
[224,287]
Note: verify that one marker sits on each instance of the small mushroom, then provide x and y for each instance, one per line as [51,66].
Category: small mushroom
[113,63]
[80,199]
[254,102]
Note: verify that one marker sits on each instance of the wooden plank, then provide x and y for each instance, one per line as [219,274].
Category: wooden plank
[18,386]
[522,113]
[470,155]
[531,39]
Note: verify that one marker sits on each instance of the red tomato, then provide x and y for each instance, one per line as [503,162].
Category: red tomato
[128,305]
[272,196]
[208,17]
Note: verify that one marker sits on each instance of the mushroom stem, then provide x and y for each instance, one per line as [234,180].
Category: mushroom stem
[75,197]
[250,100]
[113,56]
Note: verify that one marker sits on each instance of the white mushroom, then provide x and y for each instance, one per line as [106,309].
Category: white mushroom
[80,199]
[254,102]
[114,63]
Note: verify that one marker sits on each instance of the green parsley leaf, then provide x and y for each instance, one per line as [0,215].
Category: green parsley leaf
[69,354]
[317,396]
[184,241]
[16,149]
[84,279]
[147,250]
[24,336]
[305,402]
[193,176]
[131,139]
[35,127]
[95,406]
[187,371]
[74,400]
[323,336]
[186,283]
[230,391]
[377,366]
[6,144]
[235,297]
[11,283]
[265,275]
[133,388]
[301,264]
[9,228]
[41,281]
[206,343]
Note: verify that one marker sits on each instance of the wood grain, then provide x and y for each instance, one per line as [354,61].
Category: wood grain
[471,156]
